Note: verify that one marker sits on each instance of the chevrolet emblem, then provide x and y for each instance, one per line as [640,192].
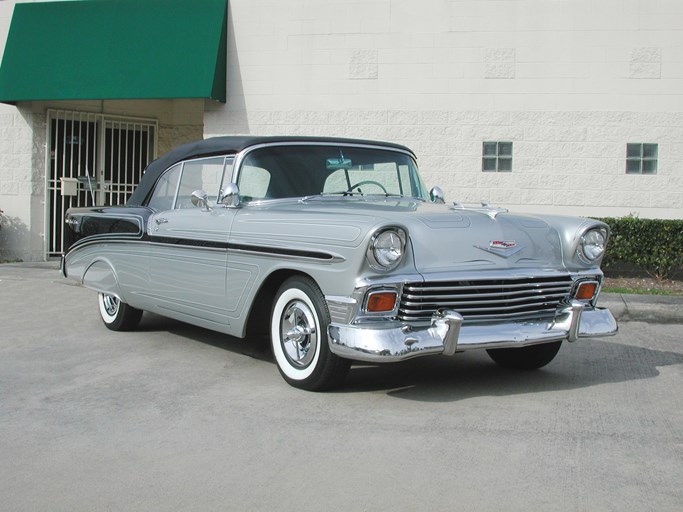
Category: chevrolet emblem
[502,248]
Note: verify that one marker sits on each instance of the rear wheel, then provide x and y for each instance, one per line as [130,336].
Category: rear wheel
[117,315]
[525,358]
[298,336]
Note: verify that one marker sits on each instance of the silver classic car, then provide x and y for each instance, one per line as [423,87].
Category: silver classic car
[336,251]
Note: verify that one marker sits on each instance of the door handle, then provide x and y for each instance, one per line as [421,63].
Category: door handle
[160,220]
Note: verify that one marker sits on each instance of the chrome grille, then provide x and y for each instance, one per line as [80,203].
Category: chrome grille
[486,300]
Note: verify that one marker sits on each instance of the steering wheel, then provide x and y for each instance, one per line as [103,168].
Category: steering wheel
[367,182]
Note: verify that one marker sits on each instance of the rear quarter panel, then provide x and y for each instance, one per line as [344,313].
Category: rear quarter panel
[106,250]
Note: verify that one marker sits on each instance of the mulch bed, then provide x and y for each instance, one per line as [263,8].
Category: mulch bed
[647,284]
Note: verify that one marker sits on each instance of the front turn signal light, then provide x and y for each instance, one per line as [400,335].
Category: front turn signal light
[381,302]
[586,290]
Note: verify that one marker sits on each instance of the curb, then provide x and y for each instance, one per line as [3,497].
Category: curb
[665,309]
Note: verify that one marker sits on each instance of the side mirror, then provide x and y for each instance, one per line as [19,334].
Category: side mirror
[201,199]
[230,197]
[437,195]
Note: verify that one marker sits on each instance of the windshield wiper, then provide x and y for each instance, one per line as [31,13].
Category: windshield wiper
[341,193]
[345,193]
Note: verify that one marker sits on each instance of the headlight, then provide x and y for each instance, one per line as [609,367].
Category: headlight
[592,245]
[387,248]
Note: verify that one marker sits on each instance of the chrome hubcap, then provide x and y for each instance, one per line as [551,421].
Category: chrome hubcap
[298,334]
[111,304]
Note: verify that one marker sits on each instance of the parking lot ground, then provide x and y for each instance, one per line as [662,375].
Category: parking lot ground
[172,417]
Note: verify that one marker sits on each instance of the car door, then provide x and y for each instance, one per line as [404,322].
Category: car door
[188,243]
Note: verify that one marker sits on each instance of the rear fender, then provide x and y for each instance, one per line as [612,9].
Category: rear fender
[101,277]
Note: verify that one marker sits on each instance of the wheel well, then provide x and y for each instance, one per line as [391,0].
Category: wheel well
[263,302]
[101,277]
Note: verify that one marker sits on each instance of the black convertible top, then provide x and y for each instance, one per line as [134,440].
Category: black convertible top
[224,146]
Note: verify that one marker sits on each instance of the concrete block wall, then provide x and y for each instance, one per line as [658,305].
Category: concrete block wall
[21,185]
[569,83]
[563,162]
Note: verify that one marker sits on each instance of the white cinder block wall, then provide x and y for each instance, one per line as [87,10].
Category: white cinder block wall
[569,82]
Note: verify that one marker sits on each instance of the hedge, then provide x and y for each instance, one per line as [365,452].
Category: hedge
[654,246]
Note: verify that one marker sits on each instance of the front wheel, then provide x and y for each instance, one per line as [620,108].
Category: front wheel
[525,358]
[117,315]
[298,336]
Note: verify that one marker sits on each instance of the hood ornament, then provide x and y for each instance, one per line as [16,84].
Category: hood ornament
[485,208]
[502,248]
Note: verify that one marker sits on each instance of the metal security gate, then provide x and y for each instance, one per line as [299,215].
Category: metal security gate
[92,160]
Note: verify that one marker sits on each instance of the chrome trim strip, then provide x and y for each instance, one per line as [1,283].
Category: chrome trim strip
[291,254]
[89,242]
[189,247]
[521,287]
[260,250]
[215,246]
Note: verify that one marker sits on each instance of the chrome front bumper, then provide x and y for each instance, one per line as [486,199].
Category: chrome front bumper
[447,335]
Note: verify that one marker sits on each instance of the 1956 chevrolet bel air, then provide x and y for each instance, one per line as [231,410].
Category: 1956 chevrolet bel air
[334,248]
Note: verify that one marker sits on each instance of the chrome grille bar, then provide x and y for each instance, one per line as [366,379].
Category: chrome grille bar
[515,298]
[497,284]
[478,296]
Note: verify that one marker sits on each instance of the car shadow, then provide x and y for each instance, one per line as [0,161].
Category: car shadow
[473,374]
[257,348]
[465,375]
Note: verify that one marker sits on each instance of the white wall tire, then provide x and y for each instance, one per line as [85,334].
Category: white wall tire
[117,315]
[298,336]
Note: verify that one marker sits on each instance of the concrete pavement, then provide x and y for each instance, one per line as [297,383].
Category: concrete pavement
[172,418]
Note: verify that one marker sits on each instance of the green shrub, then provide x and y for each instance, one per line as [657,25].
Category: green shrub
[653,245]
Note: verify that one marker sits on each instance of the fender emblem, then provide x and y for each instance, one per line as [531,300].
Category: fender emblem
[502,248]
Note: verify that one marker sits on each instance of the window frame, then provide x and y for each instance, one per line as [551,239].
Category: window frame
[641,159]
[227,161]
[497,157]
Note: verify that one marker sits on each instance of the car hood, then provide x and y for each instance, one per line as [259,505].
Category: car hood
[442,238]
[461,239]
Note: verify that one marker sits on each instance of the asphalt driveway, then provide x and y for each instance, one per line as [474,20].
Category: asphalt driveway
[178,418]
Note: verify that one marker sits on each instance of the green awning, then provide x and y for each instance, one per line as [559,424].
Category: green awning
[115,49]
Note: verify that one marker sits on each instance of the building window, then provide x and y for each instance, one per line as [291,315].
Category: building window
[641,158]
[497,157]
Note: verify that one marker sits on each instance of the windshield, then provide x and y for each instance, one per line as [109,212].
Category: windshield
[276,172]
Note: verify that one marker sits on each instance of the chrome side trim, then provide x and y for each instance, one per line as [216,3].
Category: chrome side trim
[285,253]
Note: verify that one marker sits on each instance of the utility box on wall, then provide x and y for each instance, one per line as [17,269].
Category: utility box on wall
[69,186]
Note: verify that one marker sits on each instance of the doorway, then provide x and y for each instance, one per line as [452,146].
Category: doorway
[92,160]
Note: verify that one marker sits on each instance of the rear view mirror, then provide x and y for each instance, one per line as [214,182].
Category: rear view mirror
[200,199]
[437,195]
[230,197]
[334,164]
